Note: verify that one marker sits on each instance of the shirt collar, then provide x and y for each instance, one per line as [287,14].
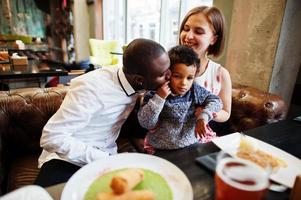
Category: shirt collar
[128,89]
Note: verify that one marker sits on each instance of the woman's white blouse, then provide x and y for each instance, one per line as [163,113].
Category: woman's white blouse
[211,78]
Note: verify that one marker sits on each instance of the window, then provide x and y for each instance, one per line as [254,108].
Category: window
[143,19]
[114,20]
[157,19]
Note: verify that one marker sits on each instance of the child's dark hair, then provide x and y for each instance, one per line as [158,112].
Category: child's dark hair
[183,54]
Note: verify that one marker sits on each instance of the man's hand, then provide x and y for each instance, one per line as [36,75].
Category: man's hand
[200,128]
[164,90]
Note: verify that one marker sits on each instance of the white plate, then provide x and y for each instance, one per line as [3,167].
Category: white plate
[79,183]
[285,176]
[29,192]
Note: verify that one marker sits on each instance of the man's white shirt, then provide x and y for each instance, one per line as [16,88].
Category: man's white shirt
[89,120]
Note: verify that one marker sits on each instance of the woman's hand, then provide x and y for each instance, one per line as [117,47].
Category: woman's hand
[164,90]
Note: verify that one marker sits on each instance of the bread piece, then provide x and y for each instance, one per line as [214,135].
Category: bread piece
[126,180]
[248,150]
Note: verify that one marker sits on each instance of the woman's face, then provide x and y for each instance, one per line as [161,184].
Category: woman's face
[198,34]
[182,77]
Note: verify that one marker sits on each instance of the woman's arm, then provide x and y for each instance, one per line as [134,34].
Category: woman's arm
[226,97]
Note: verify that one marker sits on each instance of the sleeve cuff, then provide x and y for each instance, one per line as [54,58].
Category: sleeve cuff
[205,116]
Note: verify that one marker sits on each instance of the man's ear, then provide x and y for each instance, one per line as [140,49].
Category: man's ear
[138,80]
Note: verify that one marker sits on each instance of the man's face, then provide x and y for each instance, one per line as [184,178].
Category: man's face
[158,73]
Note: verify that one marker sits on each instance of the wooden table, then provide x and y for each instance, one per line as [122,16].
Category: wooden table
[285,135]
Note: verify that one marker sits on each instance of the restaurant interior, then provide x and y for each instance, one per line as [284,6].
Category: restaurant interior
[44,44]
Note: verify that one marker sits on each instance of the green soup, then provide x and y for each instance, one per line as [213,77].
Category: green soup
[152,182]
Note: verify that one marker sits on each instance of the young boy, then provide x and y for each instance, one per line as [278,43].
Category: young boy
[169,112]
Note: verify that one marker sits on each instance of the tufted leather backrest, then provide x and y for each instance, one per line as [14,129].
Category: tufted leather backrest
[23,114]
[252,108]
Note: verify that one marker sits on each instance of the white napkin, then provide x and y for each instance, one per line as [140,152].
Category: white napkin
[30,192]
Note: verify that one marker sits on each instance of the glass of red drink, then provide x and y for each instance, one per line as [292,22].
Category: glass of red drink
[237,179]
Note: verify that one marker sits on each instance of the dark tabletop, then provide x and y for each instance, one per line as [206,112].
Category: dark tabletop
[285,135]
[34,68]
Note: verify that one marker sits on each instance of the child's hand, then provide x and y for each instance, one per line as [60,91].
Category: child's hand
[200,128]
[164,90]
[198,111]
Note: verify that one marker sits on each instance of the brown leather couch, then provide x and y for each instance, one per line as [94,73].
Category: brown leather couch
[252,108]
[24,112]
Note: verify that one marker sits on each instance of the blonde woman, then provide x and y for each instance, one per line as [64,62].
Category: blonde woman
[203,29]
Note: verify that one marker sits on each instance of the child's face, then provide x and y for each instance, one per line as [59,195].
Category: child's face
[182,77]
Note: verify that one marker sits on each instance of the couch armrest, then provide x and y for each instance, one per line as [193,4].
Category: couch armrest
[252,108]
